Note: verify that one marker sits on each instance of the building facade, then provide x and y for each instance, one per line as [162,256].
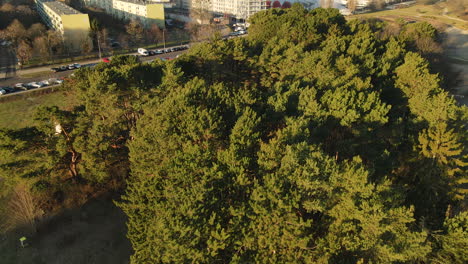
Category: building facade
[238,9]
[148,12]
[71,24]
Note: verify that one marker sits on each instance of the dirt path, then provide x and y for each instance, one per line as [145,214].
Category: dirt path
[456,44]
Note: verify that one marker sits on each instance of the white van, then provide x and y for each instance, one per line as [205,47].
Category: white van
[143,52]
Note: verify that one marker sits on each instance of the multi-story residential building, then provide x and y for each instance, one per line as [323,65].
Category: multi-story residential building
[238,9]
[147,11]
[72,25]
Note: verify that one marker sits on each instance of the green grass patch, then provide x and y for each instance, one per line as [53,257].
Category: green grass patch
[19,113]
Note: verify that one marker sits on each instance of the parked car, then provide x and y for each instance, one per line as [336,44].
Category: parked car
[151,52]
[56,69]
[2,92]
[21,86]
[46,82]
[115,44]
[59,81]
[63,68]
[31,85]
[158,51]
[167,51]
[8,89]
[71,67]
[77,65]
[106,60]
[143,52]
[35,84]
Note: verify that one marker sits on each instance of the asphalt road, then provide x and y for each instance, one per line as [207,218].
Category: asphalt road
[13,80]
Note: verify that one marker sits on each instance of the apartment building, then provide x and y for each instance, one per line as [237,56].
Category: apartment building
[238,9]
[147,11]
[72,25]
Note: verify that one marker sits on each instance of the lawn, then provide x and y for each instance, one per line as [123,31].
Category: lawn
[19,113]
[430,13]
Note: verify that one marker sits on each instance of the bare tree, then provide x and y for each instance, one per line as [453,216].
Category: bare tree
[123,40]
[41,48]
[15,31]
[36,30]
[7,8]
[352,5]
[377,4]
[54,42]
[135,29]
[24,52]
[154,34]
[326,3]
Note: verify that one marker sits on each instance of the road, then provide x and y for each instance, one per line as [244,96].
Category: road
[13,80]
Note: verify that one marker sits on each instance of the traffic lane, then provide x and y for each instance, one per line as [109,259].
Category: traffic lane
[11,82]
[14,80]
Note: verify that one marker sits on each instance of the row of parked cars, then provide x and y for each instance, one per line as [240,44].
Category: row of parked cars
[145,52]
[66,67]
[28,86]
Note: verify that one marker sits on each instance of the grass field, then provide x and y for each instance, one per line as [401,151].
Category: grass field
[431,13]
[19,113]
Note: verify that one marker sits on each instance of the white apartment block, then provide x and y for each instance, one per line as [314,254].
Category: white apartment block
[239,9]
[147,11]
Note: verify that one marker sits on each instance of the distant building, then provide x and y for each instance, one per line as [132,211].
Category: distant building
[72,25]
[308,4]
[238,9]
[148,12]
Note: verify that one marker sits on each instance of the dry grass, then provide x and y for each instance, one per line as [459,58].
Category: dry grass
[21,211]
[431,13]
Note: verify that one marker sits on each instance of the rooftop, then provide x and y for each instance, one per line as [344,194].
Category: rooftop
[61,8]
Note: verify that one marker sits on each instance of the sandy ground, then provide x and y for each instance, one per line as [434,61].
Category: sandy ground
[456,44]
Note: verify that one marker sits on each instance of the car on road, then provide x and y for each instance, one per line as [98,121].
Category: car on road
[143,52]
[8,89]
[21,86]
[30,85]
[34,85]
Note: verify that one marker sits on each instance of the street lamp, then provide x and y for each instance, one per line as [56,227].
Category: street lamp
[164,38]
